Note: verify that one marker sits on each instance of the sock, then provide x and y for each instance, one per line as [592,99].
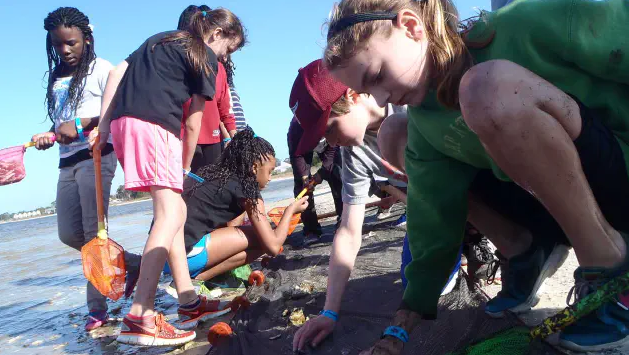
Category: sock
[192,305]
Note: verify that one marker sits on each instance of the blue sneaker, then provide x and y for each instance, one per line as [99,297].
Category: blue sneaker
[522,277]
[401,222]
[608,327]
[407,258]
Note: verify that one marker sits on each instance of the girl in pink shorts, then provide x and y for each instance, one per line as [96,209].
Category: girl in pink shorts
[146,92]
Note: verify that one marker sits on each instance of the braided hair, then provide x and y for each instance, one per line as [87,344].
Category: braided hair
[237,161]
[68,17]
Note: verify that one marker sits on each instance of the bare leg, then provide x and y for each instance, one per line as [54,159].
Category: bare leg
[528,126]
[392,138]
[179,268]
[169,219]
[229,248]
[510,238]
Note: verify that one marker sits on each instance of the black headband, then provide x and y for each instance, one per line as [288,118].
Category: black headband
[351,20]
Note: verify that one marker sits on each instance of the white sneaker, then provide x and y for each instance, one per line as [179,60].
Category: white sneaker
[384,214]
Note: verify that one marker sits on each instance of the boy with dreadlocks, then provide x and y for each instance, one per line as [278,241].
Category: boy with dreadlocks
[231,188]
[76,83]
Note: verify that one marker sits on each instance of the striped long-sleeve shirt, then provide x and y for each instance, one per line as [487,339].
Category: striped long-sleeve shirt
[241,122]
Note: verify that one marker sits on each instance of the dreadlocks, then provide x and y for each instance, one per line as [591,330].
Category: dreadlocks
[68,17]
[237,161]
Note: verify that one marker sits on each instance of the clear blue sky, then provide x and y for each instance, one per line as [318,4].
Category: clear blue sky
[284,35]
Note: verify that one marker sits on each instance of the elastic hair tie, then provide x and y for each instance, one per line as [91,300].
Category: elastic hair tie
[204,13]
[351,20]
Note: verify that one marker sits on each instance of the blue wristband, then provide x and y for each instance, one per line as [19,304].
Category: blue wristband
[330,314]
[226,140]
[194,176]
[396,332]
[79,129]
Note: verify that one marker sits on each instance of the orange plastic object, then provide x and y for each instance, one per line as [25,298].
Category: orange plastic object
[102,258]
[218,332]
[276,216]
[256,278]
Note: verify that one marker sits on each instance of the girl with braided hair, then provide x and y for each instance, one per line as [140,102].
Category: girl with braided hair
[76,82]
[231,189]
[142,107]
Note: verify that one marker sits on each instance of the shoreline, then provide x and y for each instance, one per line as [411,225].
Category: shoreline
[282,177]
[129,202]
[28,219]
[54,214]
[278,178]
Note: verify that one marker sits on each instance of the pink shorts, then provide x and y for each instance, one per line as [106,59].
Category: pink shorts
[149,155]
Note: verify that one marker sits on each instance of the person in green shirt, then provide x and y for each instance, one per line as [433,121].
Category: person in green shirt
[535,95]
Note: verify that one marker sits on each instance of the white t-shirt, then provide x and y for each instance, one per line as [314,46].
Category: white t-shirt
[89,105]
[363,166]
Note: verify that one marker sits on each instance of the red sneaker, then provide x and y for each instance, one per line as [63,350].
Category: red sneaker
[189,318]
[147,333]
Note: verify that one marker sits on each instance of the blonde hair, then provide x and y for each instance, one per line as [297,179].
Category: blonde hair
[440,19]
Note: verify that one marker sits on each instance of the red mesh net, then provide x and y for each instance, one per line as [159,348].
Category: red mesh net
[12,165]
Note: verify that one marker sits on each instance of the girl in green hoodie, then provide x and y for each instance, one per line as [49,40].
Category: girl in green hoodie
[531,99]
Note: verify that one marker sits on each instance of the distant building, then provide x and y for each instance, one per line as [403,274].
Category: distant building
[282,167]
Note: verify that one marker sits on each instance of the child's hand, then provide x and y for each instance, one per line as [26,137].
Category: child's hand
[102,136]
[66,133]
[300,205]
[44,140]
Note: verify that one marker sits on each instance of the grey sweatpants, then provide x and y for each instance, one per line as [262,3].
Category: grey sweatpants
[77,220]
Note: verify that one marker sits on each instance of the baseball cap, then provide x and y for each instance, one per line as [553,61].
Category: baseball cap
[311,99]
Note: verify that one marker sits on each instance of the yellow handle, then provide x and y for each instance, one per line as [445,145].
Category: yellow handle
[301,194]
[102,231]
[29,144]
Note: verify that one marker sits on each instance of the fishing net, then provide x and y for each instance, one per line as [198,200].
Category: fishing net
[276,216]
[12,165]
[104,266]
[371,298]
[103,259]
